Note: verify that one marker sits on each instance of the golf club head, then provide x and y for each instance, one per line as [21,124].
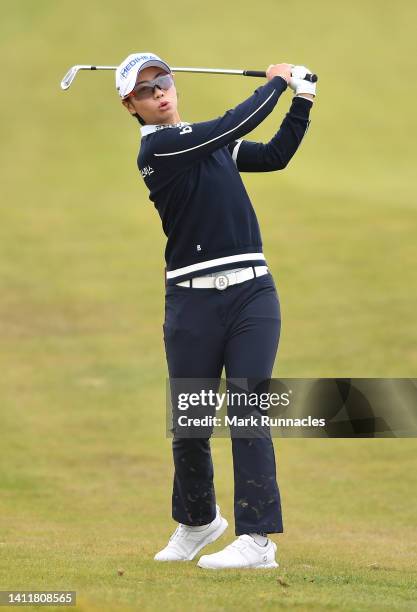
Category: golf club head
[69,77]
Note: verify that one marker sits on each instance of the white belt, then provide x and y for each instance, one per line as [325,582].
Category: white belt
[224,279]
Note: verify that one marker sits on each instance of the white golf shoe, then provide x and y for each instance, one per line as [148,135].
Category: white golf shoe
[242,553]
[187,541]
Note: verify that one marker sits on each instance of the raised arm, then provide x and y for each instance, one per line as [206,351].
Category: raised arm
[275,155]
[193,142]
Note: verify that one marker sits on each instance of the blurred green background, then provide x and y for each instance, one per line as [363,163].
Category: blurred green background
[86,469]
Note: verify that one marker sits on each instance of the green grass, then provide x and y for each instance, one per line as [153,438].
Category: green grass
[85,468]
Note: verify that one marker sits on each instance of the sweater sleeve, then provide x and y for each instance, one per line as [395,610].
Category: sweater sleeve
[181,146]
[275,155]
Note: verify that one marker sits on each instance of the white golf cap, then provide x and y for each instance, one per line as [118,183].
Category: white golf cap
[127,72]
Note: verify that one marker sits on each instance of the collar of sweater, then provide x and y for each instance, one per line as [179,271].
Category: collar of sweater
[149,129]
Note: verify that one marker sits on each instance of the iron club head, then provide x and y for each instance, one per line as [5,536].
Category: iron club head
[72,73]
[69,77]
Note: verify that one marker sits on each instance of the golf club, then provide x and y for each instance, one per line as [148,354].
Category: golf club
[72,73]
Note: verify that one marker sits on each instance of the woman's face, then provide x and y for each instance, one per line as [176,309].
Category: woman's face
[158,107]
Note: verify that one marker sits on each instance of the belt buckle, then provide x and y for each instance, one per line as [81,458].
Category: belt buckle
[221,282]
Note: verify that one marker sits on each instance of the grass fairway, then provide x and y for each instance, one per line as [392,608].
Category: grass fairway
[85,468]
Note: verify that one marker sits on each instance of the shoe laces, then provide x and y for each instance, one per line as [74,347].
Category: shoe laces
[178,533]
[239,544]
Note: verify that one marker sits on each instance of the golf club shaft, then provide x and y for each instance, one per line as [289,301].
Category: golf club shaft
[251,73]
[72,72]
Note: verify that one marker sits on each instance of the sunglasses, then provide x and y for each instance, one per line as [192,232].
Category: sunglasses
[145,89]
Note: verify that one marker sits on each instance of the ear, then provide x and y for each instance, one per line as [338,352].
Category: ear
[127,104]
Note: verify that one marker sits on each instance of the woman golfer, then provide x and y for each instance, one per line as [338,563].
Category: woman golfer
[221,303]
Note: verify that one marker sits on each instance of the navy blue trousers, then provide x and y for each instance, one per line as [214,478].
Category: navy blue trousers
[238,329]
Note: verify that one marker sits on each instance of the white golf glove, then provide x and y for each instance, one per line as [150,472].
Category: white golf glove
[298,83]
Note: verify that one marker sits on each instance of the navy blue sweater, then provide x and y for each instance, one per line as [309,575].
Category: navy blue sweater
[192,173]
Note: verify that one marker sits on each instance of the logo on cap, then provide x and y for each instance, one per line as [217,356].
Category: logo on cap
[133,62]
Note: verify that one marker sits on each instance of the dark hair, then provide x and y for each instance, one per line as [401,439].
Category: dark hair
[139,118]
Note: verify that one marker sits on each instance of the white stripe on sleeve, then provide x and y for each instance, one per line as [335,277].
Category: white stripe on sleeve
[202,144]
[235,151]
